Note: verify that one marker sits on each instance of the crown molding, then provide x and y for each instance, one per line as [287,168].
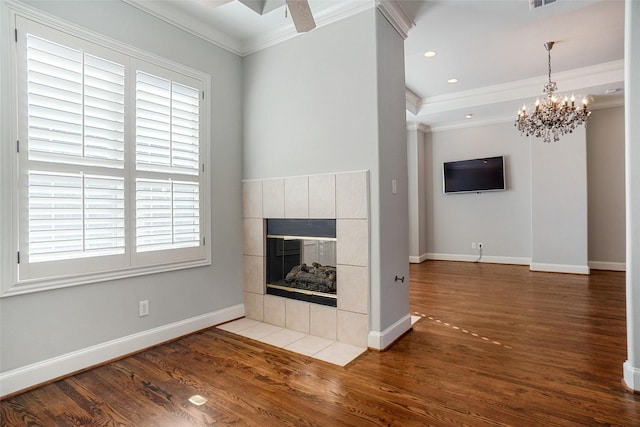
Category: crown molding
[173,16]
[413,101]
[417,126]
[324,17]
[571,80]
[397,17]
[464,124]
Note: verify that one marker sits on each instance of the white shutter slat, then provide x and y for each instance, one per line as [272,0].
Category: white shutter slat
[167,126]
[167,215]
[76,106]
[60,208]
[52,198]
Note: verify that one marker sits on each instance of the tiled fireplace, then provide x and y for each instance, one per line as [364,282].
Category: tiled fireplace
[342,198]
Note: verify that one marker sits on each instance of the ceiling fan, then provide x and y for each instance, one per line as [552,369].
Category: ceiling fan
[298,9]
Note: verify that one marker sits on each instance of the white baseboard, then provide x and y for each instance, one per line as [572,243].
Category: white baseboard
[47,370]
[605,265]
[381,340]
[474,258]
[418,259]
[559,268]
[631,376]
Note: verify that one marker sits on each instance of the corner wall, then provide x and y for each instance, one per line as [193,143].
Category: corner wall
[316,105]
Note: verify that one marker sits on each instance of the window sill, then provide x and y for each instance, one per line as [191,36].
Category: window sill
[31,286]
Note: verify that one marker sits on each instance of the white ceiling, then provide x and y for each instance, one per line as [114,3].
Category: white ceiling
[495,48]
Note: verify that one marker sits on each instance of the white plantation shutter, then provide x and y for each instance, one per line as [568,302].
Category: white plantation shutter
[167,125]
[111,175]
[74,215]
[76,106]
[167,215]
[167,154]
[75,117]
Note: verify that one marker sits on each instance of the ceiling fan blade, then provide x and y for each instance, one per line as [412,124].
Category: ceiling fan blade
[301,15]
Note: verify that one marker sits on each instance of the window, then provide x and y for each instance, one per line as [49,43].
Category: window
[112,160]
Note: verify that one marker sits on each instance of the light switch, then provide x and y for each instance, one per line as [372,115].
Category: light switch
[394,186]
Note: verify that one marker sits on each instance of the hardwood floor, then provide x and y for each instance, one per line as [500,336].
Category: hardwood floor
[498,345]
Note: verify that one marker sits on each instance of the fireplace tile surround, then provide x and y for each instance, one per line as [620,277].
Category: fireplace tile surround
[340,196]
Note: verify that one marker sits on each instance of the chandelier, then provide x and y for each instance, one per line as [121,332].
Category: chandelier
[553,116]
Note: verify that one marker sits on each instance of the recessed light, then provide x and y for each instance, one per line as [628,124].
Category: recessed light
[452,81]
[468,116]
[611,90]
[430,54]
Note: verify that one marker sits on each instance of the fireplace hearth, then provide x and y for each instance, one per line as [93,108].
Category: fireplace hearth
[301,260]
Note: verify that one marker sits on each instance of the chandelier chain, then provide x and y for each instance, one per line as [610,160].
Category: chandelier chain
[549,62]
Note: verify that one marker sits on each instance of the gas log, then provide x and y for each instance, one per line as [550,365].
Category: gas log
[316,278]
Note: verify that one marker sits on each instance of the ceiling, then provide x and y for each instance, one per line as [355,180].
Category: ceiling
[495,48]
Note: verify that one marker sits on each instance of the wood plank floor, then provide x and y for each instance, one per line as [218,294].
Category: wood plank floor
[498,345]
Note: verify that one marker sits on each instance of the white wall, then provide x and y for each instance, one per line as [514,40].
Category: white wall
[606,189]
[40,326]
[501,220]
[314,104]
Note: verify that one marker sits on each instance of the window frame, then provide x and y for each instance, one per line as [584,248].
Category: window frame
[14,209]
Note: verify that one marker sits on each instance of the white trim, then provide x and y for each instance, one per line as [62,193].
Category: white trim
[174,16]
[463,124]
[606,265]
[47,370]
[417,126]
[474,258]
[382,340]
[572,80]
[631,376]
[412,101]
[418,259]
[397,17]
[560,268]
[325,17]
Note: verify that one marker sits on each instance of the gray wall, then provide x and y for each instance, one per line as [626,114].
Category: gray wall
[39,326]
[393,244]
[310,103]
[502,220]
[605,167]
[559,204]
[416,169]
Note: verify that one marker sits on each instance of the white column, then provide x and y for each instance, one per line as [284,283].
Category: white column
[632,171]
[417,192]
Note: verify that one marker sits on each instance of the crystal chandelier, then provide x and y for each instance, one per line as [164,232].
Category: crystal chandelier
[553,116]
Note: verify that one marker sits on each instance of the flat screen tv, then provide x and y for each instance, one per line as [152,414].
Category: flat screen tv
[474,176]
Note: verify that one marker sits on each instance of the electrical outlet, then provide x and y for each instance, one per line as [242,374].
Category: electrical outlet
[473,245]
[143,308]
[479,245]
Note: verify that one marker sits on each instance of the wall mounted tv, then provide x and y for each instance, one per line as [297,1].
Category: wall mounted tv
[474,176]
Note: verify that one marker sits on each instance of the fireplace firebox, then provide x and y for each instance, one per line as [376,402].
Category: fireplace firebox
[301,260]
